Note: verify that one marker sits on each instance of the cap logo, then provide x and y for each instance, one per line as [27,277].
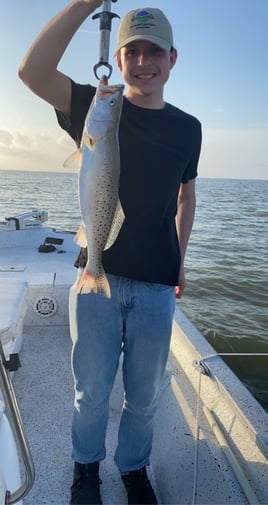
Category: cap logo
[141,19]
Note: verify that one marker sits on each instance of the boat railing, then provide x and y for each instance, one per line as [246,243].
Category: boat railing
[11,403]
[203,368]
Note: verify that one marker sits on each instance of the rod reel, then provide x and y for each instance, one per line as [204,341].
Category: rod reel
[105,17]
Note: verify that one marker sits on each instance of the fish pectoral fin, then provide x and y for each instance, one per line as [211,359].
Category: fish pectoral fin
[118,220]
[80,238]
[74,161]
[89,141]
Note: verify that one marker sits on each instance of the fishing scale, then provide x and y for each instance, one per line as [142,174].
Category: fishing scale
[105,17]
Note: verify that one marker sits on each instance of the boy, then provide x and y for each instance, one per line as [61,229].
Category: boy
[159,152]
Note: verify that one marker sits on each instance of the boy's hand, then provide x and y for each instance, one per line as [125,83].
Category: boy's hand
[181,285]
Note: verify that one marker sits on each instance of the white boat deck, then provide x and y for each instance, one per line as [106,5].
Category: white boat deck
[179,462]
[46,411]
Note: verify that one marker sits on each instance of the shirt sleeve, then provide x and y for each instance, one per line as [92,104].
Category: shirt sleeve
[191,169]
[82,95]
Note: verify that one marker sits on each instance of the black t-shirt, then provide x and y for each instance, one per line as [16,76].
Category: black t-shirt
[159,150]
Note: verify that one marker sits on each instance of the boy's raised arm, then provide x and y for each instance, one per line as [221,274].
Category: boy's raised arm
[38,70]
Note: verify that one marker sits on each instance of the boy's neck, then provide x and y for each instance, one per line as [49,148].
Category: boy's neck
[146,101]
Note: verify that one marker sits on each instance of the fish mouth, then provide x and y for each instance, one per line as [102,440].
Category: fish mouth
[110,89]
[104,92]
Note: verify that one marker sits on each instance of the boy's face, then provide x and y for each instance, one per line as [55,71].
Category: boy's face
[145,66]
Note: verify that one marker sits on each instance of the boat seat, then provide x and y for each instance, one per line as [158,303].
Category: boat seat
[13,295]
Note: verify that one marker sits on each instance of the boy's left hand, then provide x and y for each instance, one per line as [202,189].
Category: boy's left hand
[181,285]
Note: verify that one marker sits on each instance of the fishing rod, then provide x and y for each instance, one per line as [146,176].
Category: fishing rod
[105,17]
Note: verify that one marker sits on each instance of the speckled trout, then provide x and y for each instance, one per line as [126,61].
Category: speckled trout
[99,171]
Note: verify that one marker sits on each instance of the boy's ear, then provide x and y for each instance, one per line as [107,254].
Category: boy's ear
[119,61]
[173,57]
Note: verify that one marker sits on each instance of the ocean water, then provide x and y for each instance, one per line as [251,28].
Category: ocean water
[226,265]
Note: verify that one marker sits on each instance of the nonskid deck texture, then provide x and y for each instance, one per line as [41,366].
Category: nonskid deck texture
[44,390]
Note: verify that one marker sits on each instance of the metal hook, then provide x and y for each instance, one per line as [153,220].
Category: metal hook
[103,64]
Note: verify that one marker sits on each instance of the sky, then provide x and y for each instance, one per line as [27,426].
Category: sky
[221,77]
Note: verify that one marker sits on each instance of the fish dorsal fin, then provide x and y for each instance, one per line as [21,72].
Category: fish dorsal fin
[74,161]
[118,220]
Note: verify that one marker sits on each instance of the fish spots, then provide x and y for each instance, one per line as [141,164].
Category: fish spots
[106,197]
[101,211]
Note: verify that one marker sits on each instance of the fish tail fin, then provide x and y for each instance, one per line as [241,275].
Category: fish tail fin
[88,283]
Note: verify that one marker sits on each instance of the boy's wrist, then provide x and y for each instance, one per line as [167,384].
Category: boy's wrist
[91,5]
[83,8]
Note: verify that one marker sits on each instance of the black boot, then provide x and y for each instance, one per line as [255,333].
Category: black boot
[86,485]
[138,487]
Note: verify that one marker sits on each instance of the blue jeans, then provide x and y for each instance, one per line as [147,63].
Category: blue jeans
[137,321]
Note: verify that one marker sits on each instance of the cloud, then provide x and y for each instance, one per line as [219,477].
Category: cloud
[11,141]
[226,153]
[234,153]
[34,150]
[6,138]
[22,140]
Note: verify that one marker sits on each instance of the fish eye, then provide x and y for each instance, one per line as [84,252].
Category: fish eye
[112,102]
